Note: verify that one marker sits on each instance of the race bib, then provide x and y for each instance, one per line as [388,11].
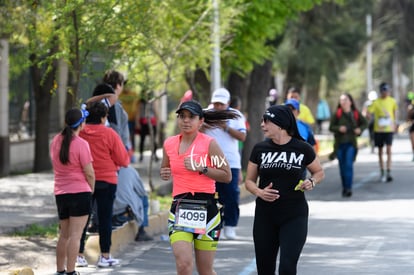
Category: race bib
[384,121]
[191,218]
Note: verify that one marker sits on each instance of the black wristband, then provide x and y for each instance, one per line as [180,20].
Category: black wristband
[204,171]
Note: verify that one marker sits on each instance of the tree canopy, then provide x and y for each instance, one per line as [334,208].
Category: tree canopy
[165,45]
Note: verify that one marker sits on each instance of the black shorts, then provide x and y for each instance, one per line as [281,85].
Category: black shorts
[411,130]
[383,138]
[73,205]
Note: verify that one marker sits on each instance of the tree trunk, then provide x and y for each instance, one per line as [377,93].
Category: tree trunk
[294,76]
[260,83]
[200,85]
[72,90]
[238,85]
[43,83]
[76,68]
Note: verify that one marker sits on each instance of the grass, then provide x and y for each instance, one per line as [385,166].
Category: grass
[51,231]
[37,230]
[165,202]
[326,145]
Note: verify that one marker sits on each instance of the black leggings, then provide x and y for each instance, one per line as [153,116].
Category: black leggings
[285,229]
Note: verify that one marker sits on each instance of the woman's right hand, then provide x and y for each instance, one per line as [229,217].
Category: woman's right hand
[269,194]
[165,173]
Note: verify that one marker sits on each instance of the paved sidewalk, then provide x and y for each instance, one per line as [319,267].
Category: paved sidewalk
[28,199]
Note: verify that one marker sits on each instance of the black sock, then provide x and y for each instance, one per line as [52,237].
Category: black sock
[141,229]
[63,271]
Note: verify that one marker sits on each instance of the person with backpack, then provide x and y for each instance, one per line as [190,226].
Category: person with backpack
[347,123]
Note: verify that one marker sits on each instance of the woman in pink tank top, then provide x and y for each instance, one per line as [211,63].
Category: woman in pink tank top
[194,162]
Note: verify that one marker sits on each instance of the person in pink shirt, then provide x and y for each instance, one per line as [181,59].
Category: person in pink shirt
[74,183]
[194,162]
[108,154]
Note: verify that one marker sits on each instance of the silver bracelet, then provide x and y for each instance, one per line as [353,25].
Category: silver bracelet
[312,180]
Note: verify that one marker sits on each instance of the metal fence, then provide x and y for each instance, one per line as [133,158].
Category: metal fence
[22,109]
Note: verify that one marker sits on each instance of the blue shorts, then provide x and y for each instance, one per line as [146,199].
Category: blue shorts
[383,138]
[73,205]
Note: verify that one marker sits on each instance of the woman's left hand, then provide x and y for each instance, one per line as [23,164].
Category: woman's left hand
[307,185]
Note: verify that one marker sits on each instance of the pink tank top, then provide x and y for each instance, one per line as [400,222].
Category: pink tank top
[185,181]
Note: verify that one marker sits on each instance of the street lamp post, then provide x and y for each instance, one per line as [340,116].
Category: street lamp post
[369,53]
[215,65]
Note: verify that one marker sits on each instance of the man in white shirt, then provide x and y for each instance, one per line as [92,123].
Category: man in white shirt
[228,137]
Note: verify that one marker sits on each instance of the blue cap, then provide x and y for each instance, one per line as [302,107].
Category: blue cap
[384,87]
[294,103]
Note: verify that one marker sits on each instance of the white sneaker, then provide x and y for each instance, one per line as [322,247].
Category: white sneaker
[105,262]
[230,232]
[81,262]
[383,178]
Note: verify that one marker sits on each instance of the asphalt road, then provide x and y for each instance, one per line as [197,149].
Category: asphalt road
[370,233]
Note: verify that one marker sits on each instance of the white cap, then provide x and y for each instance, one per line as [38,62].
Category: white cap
[273,92]
[372,95]
[221,95]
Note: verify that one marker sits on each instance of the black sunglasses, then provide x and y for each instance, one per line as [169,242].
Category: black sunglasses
[265,119]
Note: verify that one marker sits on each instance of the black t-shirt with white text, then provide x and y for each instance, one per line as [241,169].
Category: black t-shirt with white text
[283,165]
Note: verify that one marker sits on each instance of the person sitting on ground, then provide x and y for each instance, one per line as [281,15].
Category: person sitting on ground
[131,194]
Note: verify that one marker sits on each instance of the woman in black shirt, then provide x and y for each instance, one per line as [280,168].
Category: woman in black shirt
[281,214]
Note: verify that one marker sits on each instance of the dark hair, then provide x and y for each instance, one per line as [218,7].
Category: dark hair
[212,118]
[103,88]
[235,102]
[384,87]
[97,110]
[349,96]
[72,116]
[293,89]
[113,78]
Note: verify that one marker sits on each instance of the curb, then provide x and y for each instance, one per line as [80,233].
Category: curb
[121,237]
[20,271]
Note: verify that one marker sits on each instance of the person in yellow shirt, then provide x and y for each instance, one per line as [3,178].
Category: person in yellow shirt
[384,110]
[305,114]
[130,103]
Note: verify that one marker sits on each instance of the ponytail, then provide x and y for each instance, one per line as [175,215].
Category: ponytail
[67,134]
